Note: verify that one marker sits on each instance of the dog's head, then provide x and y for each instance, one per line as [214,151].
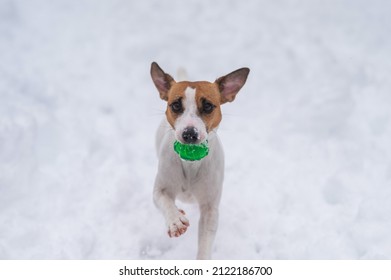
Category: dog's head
[193,108]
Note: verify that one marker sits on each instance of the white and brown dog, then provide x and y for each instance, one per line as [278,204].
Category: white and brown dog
[192,117]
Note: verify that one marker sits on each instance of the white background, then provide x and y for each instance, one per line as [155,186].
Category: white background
[307,141]
[137,269]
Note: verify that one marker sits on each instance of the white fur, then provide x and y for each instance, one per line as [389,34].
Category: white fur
[190,118]
[198,180]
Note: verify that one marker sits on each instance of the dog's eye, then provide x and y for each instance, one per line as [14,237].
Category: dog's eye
[207,107]
[176,107]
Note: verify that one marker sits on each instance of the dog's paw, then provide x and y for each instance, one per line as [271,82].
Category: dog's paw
[178,225]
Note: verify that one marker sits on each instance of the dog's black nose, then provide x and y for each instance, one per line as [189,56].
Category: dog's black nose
[190,135]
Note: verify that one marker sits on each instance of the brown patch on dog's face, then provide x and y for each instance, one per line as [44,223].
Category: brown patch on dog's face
[176,96]
[208,104]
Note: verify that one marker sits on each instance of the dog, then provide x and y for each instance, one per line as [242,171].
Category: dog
[193,115]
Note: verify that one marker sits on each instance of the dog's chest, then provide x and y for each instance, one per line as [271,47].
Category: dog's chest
[191,174]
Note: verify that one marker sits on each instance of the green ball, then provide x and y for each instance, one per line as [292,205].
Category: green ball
[191,152]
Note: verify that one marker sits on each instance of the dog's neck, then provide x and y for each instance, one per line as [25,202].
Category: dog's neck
[191,169]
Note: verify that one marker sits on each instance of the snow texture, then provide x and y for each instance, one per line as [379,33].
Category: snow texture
[307,140]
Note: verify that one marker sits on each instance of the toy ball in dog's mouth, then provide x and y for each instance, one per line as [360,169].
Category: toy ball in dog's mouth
[191,152]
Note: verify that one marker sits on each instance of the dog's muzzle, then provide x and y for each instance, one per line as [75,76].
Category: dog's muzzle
[190,135]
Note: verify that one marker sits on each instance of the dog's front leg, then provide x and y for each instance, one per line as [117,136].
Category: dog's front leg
[209,215]
[175,218]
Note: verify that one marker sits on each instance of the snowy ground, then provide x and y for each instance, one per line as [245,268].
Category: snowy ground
[307,141]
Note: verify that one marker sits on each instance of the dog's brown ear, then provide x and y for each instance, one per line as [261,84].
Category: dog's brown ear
[229,85]
[162,81]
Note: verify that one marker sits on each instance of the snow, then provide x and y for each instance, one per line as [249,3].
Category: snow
[307,140]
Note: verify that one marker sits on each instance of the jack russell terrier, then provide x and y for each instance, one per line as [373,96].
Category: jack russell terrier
[192,117]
